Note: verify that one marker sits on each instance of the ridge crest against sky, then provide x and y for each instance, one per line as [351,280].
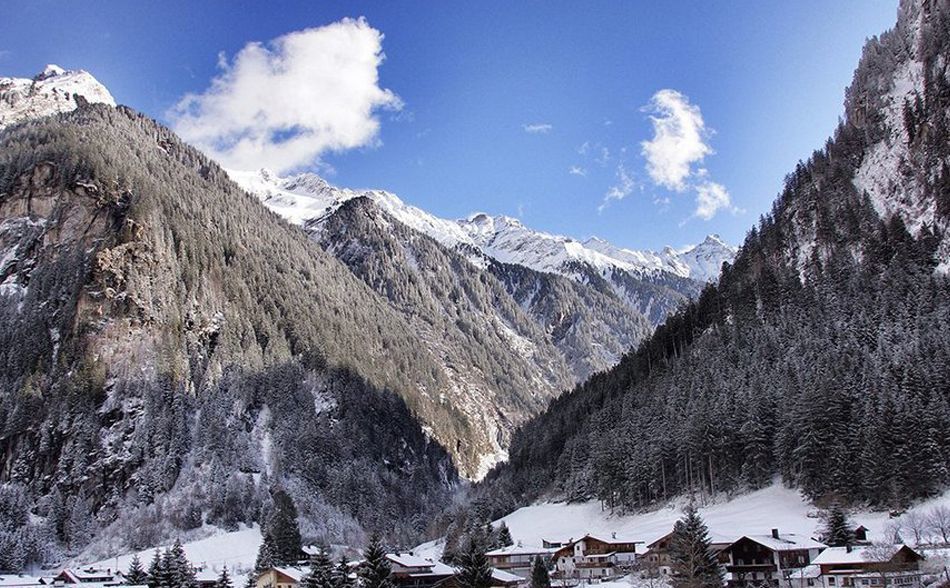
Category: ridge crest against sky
[643,124]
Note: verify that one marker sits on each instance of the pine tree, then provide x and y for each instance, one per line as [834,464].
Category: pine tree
[837,531]
[504,536]
[693,563]
[284,530]
[179,572]
[539,574]
[341,574]
[321,570]
[474,569]
[156,571]
[224,579]
[264,561]
[136,575]
[375,571]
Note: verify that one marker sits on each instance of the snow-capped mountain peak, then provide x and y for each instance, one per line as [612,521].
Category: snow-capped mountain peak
[308,198]
[51,91]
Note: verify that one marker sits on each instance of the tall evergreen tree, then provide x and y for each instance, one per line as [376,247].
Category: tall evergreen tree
[136,574]
[539,574]
[320,574]
[504,536]
[179,573]
[375,572]
[224,579]
[156,571]
[341,574]
[693,563]
[474,568]
[837,531]
[263,562]
[284,529]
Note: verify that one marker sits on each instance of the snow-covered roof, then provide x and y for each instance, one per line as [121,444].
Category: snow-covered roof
[408,560]
[503,576]
[615,537]
[19,580]
[295,573]
[206,575]
[856,555]
[786,542]
[809,571]
[522,550]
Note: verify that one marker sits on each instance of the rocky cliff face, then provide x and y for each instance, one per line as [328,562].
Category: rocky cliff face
[171,351]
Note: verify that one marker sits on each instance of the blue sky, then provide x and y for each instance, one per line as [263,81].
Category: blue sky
[765,78]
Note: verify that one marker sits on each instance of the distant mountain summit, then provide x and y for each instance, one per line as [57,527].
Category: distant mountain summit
[52,91]
[307,197]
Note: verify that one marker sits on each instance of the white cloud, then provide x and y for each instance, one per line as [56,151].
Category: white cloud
[576,170]
[620,190]
[678,139]
[537,128]
[710,199]
[283,104]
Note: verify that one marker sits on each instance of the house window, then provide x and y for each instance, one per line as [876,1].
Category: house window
[831,580]
[811,582]
[865,582]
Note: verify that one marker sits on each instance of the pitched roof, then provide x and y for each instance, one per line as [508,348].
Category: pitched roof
[408,560]
[523,550]
[295,573]
[19,580]
[864,554]
[506,577]
[785,542]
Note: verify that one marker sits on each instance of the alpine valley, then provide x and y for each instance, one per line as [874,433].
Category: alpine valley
[188,350]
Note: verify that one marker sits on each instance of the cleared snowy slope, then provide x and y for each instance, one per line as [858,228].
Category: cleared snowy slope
[49,92]
[755,513]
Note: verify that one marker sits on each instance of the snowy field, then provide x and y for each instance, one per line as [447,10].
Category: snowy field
[754,513]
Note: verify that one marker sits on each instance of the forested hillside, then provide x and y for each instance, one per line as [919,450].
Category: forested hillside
[172,352]
[822,355]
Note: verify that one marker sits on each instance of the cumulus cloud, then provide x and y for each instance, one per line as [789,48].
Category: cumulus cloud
[537,128]
[283,104]
[678,139]
[576,170]
[710,199]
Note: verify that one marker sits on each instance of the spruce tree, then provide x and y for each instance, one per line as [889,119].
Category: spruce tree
[284,529]
[504,536]
[474,569]
[375,571]
[539,574]
[837,531]
[263,562]
[156,571]
[136,575]
[321,570]
[693,563]
[224,579]
[341,574]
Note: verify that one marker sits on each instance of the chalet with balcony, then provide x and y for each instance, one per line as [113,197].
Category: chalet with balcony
[869,567]
[517,559]
[769,560]
[656,559]
[596,556]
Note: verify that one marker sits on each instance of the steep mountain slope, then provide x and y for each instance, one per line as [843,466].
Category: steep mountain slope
[651,283]
[51,91]
[822,354]
[170,349]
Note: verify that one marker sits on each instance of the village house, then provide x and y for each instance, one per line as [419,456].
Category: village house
[408,571]
[656,559]
[596,556]
[23,581]
[517,559]
[869,567]
[102,577]
[769,560]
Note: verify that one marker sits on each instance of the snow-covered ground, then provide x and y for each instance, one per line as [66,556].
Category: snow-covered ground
[237,550]
[754,513]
